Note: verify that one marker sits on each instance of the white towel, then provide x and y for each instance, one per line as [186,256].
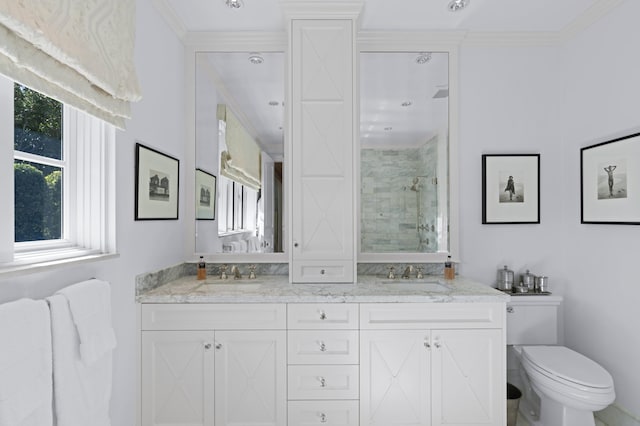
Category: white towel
[25,364]
[90,305]
[81,392]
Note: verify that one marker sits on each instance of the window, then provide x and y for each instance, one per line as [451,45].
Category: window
[237,207]
[56,167]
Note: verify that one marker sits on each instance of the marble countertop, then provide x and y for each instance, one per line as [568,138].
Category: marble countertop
[277,289]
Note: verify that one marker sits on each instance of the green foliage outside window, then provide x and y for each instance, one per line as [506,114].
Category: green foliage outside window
[38,187]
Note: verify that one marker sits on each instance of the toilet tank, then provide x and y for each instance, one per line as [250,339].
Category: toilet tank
[533,320]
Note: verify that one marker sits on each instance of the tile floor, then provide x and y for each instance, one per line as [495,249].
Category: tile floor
[523,422]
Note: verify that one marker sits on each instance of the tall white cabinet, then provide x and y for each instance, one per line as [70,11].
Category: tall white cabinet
[322,147]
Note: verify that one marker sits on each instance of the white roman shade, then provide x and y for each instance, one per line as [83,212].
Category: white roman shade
[242,161]
[79,52]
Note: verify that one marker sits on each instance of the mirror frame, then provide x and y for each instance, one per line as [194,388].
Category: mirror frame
[223,42]
[393,41]
[366,41]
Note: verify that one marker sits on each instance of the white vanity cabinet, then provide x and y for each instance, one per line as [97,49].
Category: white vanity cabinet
[432,364]
[322,150]
[213,365]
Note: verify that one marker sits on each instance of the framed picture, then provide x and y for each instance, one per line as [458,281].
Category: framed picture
[205,195]
[609,182]
[156,185]
[510,188]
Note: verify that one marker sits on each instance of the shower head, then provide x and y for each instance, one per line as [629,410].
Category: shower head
[416,185]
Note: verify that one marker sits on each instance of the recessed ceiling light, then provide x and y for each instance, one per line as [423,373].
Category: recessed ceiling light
[423,58]
[458,5]
[234,4]
[255,58]
[406,104]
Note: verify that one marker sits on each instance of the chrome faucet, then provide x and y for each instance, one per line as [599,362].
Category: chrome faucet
[407,272]
[236,272]
[223,272]
[252,272]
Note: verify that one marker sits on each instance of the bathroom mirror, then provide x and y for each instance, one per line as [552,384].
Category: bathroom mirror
[239,138]
[404,153]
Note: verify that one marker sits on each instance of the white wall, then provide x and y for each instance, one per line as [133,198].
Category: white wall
[554,101]
[602,292]
[158,121]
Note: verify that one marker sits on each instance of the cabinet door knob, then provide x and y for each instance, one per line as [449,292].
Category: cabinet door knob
[427,344]
[323,418]
[323,316]
[323,347]
[436,344]
[509,309]
[207,346]
[218,346]
[295,244]
[323,382]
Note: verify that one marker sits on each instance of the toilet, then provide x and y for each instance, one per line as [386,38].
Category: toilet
[560,386]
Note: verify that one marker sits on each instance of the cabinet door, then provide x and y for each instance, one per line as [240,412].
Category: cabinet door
[395,378]
[322,151]
[250,378]
[177,378]
[468,381]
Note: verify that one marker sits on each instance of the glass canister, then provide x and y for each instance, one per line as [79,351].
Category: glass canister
[505,279]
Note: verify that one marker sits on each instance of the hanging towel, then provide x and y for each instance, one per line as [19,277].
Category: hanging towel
[82,391]
[25,364]
[90,305]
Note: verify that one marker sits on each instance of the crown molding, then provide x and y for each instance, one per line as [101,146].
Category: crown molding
[409,41]
[231,41]
[511,38]
[170,17]
[596,12]
[321,9]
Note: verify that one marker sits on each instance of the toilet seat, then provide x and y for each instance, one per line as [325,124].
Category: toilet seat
[563,365]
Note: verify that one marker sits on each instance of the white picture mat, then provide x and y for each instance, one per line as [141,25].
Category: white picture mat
[525,170]
[204,179]
[156,209]
[615,209]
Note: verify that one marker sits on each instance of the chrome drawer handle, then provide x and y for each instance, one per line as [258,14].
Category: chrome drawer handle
[323,382]
[323,347]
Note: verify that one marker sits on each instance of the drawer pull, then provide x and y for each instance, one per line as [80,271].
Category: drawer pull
[207,346]
[323,418]
[323,347]
[321,271]
[323,316]
[219,346]
[427,344]
[323,382]
[510,309]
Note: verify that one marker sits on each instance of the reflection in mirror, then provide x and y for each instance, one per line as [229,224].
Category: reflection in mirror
[404,115]
[239,138]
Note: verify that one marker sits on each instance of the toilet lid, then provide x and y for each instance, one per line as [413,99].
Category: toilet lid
[571,366]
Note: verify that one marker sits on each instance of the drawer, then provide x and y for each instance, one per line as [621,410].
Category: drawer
[331,413]
[208,316]
[323,347]
[411,316]
[322,316]
[329,271]
[323,382]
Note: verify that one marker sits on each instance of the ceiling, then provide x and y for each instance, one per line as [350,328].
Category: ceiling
[386,81]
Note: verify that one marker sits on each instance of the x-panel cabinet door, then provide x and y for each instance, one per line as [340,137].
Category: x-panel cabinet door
[395,378]
[250,382]
[177,378]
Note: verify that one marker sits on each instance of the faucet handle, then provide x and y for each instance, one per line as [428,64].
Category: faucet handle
[223,272]
[391,275]
[252,272]
[419,274]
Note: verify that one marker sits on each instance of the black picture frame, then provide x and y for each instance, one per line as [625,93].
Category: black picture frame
[609,176]
[205,195]
[157,185]
[510,189]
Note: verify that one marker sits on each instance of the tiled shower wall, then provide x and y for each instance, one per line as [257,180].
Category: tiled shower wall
[389,208]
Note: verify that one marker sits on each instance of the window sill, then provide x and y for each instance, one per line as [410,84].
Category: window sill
[39,263]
